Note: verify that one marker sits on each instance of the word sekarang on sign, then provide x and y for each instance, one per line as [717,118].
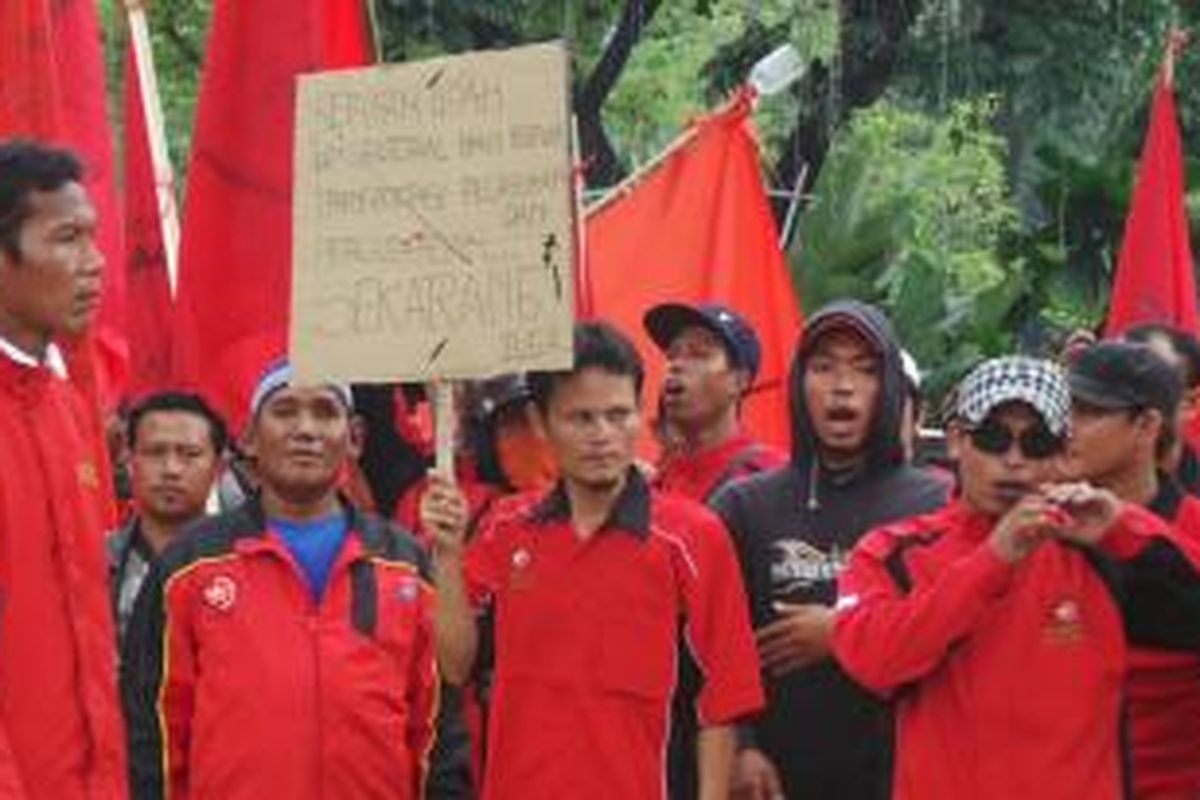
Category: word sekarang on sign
[434,222]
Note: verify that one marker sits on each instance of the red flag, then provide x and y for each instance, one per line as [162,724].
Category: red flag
[1155,278]
[149,292]
[49,50]
[699,228]
[235,261]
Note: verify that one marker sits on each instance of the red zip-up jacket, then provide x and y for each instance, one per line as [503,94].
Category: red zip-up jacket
[237,684]
[1007,679]
[60,722]
[1163,690]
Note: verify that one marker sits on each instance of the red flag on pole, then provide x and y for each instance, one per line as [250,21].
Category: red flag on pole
[235,262]
[1155,277]
[697,228]
[48,49]
[149,292]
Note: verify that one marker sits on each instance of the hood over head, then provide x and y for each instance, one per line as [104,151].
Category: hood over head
[883,442]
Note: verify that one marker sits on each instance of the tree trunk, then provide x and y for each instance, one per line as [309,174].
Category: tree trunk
[602,167]
[871,39]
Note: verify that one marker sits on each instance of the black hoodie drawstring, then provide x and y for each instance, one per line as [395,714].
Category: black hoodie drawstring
[814,502]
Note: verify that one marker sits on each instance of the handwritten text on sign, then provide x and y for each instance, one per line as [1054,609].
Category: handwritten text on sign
[434,232]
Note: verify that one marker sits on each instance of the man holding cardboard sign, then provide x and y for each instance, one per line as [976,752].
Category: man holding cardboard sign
[589,583]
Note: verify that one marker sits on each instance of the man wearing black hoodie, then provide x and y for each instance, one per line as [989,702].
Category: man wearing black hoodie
[821,735]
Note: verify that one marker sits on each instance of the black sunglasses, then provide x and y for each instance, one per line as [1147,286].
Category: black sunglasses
[1034,443]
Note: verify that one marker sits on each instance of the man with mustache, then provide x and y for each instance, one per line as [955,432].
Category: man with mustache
[712,359]
[821,735]
[285,648]
[997,626]
[60,726]
[176,451]
[593,584]
[1124,401]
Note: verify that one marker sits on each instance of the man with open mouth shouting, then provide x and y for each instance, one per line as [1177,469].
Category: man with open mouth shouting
[822,736]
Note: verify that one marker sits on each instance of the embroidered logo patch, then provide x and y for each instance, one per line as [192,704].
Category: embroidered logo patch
[88,475]
[519,574]
[407,591]
[520,558]
[1064,622]
[221,593]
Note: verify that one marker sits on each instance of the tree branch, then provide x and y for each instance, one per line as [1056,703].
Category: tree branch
[868,61]
[602,167]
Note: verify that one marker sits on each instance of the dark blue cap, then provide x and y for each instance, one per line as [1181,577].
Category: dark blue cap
[664,322]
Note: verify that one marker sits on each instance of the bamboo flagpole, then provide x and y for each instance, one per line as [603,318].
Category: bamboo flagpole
[164,175]
[1177,39]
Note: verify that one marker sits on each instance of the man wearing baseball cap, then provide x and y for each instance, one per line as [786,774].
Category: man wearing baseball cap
[1123,420]
[285,648]
[997,626]
[712,357]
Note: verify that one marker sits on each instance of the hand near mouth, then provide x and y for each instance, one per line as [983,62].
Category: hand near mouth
[1025,526]
[1087,511]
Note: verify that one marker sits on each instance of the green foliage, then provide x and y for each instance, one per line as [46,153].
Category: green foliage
[911,213]
[981,202]
[177,30]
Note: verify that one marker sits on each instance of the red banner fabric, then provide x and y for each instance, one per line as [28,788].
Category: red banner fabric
[234,288]
[1155,278]
[699,228]
[149,293]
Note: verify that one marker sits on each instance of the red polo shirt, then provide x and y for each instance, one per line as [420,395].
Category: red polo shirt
[586,640]
[699,474]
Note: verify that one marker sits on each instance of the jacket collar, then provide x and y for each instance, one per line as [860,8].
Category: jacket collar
[968,522]
[253,529]
[631,512]
[53,360]
[1166,502]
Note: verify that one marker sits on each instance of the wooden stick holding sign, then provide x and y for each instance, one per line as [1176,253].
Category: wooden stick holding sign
[441,396]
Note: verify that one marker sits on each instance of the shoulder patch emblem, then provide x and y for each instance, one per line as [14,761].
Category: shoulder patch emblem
[220,593]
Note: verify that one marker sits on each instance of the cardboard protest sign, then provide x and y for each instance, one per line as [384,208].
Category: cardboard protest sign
[434,227]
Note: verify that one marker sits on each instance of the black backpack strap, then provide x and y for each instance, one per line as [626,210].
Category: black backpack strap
[364,598]
[741,459]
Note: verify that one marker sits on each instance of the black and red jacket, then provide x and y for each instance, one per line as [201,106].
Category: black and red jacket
[1007,679]
[238,684]
[1163,688]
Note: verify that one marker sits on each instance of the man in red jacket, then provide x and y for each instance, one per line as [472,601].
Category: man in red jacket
[1124,404]
[60,729]
[285,649]
[998,625]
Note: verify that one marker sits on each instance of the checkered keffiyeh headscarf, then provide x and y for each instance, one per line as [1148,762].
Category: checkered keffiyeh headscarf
[1039,383]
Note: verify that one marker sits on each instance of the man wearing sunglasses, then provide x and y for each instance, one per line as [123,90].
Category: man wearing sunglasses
[997,626]
[1123,417]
